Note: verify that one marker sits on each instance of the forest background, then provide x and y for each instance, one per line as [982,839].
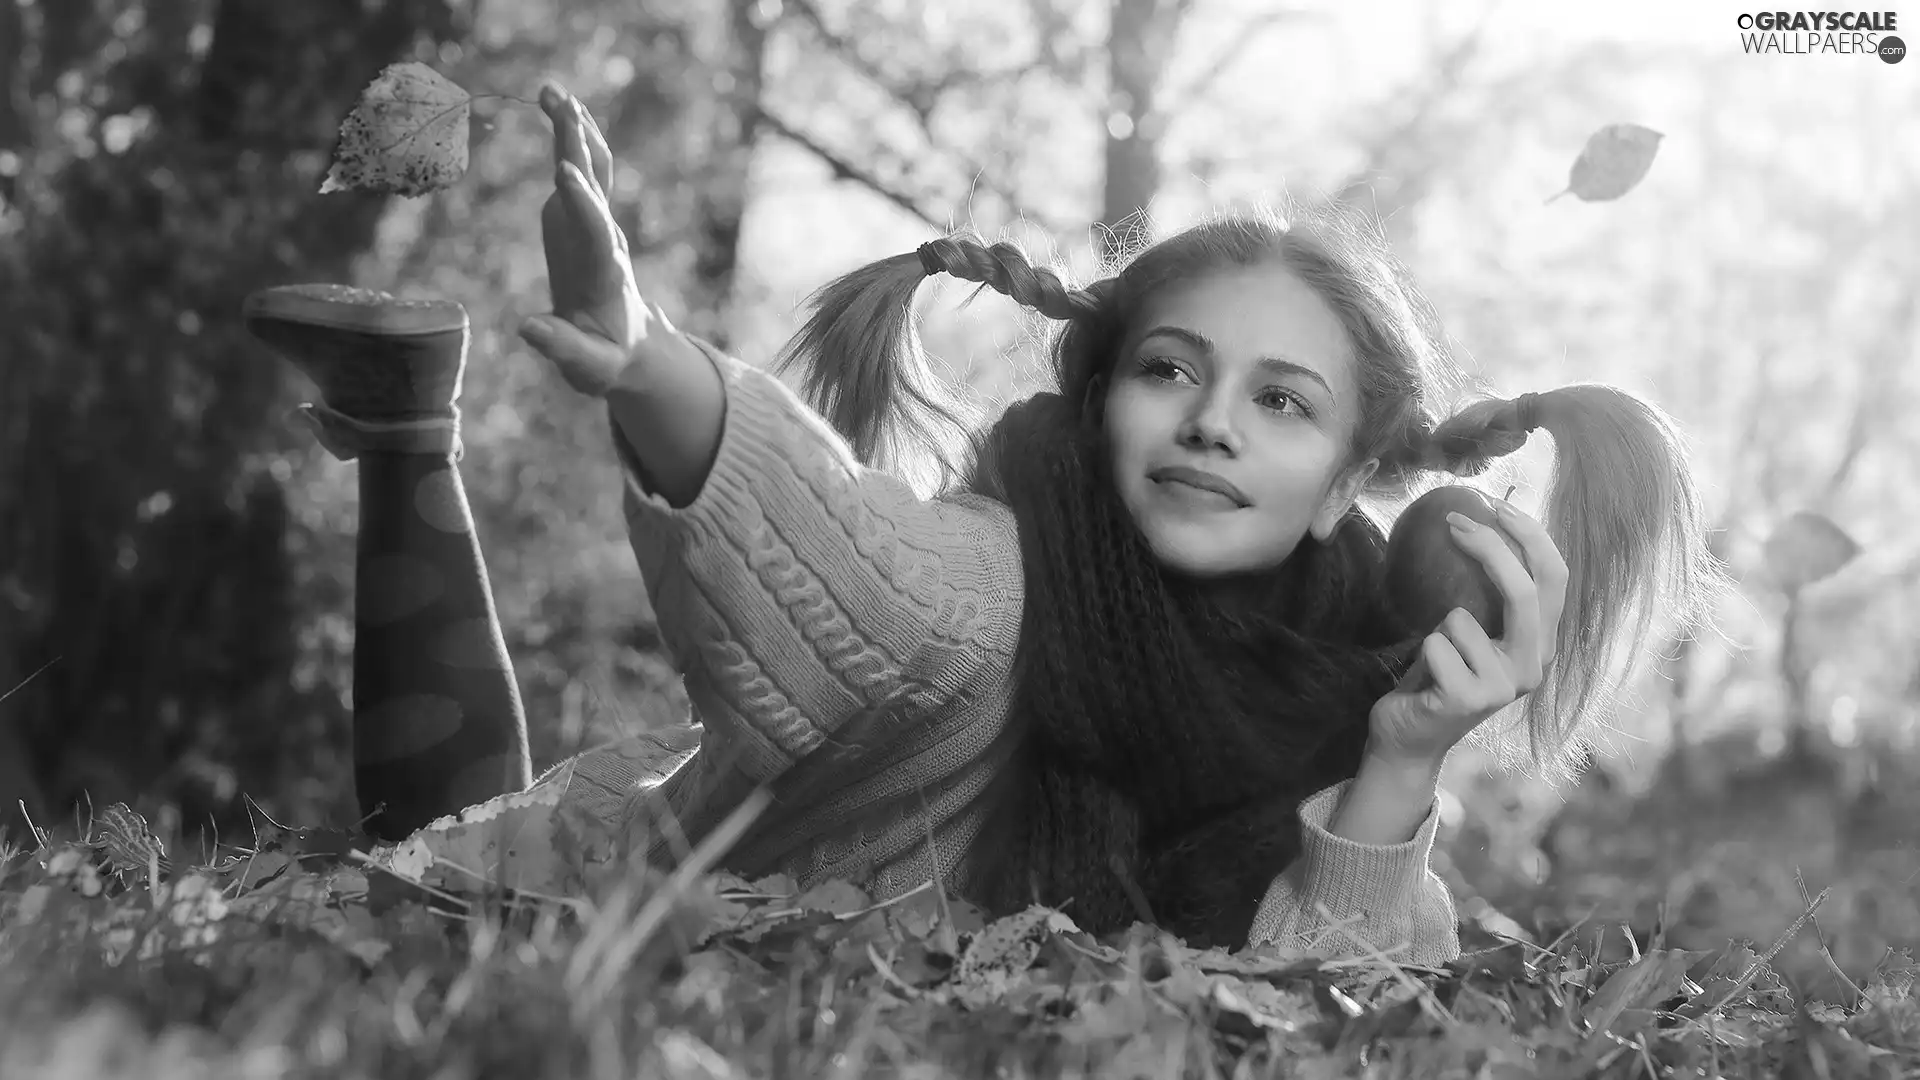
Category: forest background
[176,557]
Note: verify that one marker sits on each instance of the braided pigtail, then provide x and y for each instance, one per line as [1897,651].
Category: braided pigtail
[1004,269]
[1467,443]
[864,368]
[1627,516]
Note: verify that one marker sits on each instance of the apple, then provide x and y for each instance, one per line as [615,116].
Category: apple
[1428,574]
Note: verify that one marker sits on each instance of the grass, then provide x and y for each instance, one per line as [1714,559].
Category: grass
[294,959]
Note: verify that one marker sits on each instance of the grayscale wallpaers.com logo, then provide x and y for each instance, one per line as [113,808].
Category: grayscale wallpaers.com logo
[1808,33]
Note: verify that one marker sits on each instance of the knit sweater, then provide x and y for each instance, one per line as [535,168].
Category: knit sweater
[850,646]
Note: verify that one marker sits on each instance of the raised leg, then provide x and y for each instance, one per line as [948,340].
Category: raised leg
[437,719]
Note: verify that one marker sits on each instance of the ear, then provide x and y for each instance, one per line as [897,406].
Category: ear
[1093,407]
[1340,498]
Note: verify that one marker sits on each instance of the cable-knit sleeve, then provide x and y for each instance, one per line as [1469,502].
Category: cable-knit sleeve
[1383,894]
[800,588]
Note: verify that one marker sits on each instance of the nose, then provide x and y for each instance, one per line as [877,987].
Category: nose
[1210,426]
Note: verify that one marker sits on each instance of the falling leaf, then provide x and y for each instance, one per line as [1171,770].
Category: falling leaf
[407,135]
[1805,548]
[1615,159]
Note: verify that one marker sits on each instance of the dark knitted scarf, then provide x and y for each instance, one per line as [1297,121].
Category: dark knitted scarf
[1171,727]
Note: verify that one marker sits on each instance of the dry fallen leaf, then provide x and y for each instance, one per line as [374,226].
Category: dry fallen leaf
[1615,159]
[999,955]
[504,843]
[407,135]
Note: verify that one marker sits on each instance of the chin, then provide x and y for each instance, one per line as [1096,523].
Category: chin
[1204,550]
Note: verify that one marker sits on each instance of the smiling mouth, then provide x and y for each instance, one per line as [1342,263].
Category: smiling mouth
[1203,481]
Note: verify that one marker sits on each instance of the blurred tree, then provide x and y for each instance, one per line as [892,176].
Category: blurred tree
[162,158]
[1140,38]
[933,109]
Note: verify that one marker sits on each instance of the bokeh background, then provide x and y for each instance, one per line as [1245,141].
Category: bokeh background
[176,558]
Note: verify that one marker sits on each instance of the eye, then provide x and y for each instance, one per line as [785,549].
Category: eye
[1279,398]
[1164,369]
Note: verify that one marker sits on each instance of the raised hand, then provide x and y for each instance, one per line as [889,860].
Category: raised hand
[1462,676]
[589,270]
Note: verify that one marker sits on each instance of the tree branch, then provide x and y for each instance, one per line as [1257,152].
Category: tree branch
[916,92]
[920,97]
[843,169]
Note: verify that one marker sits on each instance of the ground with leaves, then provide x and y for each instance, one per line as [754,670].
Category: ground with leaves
[302,955]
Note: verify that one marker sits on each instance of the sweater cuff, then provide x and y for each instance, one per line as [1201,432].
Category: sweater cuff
[1355,879]
[749,434]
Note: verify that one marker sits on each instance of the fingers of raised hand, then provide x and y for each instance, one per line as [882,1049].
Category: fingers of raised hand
[577,139]
[589,362]
[599,157]
[592,216]
[569,141]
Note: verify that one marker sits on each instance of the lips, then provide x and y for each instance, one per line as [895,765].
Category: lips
[1196,478]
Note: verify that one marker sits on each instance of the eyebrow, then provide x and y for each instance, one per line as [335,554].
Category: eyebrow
[1278,364]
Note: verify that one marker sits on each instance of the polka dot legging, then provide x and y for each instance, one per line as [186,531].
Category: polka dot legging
[437,719]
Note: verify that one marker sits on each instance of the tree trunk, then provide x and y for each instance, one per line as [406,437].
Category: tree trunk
[721,201]
[1793,672]
[1139,39]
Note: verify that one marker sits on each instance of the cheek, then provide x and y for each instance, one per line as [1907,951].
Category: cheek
[1134,423]
[1294,476]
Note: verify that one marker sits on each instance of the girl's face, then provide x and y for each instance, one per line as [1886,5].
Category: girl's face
[1230,415]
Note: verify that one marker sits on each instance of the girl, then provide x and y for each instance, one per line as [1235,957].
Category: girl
[1133,660]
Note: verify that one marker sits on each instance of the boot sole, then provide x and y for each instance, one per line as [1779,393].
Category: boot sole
[343,307]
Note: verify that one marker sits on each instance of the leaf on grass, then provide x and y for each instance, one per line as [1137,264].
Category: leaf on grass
[1259,1007]
[407,135]
[505,843]
[1889,1008]
[1615,159]
[1658,976]
[833,898]
[130,846]
[1765,991]
[259,868]
[1805,548]
[1266,962]
[1894,977]
[920,918]
[329,905]
[776,885]
[1002,952]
